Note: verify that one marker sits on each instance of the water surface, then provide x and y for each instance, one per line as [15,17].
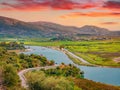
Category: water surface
[99,74]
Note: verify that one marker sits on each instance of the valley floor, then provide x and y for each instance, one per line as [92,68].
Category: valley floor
[101,53]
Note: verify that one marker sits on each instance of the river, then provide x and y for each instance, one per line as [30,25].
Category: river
[99,74]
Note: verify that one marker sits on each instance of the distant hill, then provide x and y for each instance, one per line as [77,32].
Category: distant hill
[93,30]
[13,27]
[16,28]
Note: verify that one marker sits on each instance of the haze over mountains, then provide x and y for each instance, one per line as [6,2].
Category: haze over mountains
[16,28]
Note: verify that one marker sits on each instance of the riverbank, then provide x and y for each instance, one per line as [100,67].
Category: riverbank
[78,60]
[101,53]
[19,51]
[97,74]
[83,82]
[16,51]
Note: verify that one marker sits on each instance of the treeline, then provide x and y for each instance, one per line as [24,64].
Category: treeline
[12,45]
[66,71]
[11,63]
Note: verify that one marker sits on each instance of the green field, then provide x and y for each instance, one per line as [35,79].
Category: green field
[101,53]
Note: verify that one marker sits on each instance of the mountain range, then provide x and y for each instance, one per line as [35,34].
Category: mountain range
[16,28]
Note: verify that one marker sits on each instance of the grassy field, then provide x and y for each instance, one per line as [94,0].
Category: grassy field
[101,53]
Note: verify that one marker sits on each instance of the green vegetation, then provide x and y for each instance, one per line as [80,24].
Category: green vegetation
[12,45]
[38,81]
[64,77]
[66,71]
[91,85]
[11,63]
[96,52]
[99,53]
[10,76]
[75,60]
[54,79]
[9,79]
[22,61]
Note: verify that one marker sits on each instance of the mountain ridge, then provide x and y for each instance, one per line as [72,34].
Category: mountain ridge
[14,27]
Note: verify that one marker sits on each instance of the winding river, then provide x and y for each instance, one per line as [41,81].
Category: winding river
[99,74]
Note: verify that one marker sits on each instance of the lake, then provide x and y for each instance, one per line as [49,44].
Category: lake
[99,74]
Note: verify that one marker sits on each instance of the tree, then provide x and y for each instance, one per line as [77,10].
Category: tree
[52,62]
[22,56]
[61,46]
[2,43]
[10,76]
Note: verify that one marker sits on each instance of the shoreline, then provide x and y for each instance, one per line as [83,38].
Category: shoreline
[83,64]
[19,51]
[92,65]
[59,50]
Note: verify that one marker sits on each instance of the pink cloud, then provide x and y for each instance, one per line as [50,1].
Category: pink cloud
[48,4]
[90,14]
[37,5]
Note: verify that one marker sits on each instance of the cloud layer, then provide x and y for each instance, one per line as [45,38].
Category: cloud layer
[112,4]
[57,4]
[84,8]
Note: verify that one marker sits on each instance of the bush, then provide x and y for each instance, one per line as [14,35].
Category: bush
[10,76]
[38,81]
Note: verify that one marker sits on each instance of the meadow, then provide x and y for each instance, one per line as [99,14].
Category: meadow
[98,52]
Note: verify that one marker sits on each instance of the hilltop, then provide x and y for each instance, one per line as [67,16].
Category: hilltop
[15,28]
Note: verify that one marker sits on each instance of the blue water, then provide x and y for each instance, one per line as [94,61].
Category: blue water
[99,74]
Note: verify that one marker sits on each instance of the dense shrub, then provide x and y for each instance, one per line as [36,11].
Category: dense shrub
[38,81]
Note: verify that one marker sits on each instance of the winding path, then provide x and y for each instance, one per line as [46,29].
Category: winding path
[71,54]
[22,72]
[75,56]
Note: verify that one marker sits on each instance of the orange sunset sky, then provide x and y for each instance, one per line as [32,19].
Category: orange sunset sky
[103,13]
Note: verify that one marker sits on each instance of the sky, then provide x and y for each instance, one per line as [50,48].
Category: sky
[102,13]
